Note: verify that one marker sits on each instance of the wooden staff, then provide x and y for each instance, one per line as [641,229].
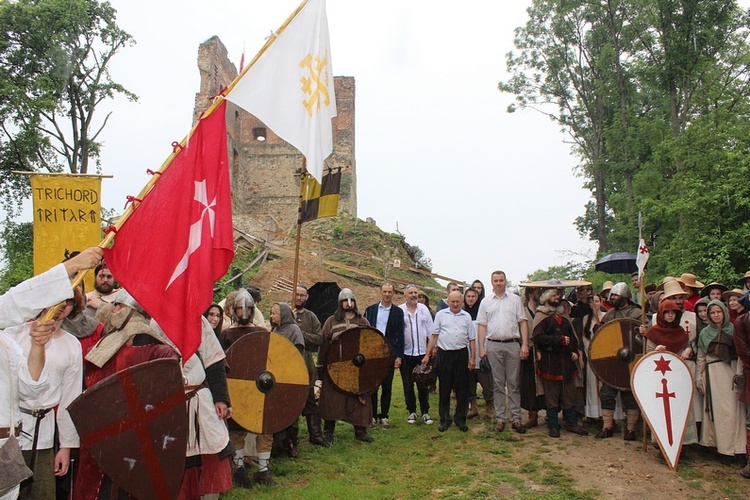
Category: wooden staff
[643,322]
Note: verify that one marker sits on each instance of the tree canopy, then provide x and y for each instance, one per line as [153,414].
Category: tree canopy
[54,61]
[654,96]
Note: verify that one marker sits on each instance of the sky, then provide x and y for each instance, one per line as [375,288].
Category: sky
[438,157]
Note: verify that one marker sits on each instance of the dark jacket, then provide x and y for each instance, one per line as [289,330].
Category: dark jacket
[394,329]
[556,362]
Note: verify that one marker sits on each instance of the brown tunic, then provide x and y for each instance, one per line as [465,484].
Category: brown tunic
[335,404]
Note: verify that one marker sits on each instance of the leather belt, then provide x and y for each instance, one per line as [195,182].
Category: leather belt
[5,432]
[506,341]
[38,413]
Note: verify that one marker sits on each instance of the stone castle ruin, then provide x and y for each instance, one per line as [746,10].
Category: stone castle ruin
[265,189]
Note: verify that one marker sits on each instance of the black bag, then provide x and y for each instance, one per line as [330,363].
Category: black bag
[484,365]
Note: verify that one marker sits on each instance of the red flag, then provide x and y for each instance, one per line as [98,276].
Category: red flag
[178,241]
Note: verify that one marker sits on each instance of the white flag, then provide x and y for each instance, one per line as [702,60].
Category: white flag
[641,256]
[290,86]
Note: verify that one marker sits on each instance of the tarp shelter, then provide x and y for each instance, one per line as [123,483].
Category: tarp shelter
[323,301]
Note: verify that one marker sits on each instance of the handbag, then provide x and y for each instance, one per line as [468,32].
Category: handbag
[11,459]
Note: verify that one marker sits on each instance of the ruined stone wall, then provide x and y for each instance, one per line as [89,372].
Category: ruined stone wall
[264,184]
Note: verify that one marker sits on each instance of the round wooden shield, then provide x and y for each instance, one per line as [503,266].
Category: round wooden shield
[268,382]
[359,360]
[614,350]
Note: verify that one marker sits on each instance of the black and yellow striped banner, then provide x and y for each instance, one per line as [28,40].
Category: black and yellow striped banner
[321,200]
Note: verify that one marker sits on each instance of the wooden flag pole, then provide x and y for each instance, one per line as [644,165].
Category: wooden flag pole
[303,173]
[107,241]
[642,290]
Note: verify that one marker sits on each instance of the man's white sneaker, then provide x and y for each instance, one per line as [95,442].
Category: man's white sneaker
[426,419]
[412,419]
[384,423]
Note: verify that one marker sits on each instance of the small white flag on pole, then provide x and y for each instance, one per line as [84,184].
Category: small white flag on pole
[642,252]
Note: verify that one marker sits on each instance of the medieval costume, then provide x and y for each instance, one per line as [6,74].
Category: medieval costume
[530,384]
[723,415]
[742,345]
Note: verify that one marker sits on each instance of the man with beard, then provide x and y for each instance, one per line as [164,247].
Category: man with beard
[310,325]
[455,338]
[335,404]
[104,289]
[622,307]
[242,313]
[389,320]
[557,345]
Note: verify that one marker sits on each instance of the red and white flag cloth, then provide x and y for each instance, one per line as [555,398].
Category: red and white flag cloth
[641,256]
[290,86]
[663,386]
[178,241]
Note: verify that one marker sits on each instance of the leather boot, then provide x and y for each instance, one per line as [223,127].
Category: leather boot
[360,432]
[608,423]
[533,420]
[489,410]
[328,427]
[264,478]
[746,471]
[473,408]
[631,421]
[313,429]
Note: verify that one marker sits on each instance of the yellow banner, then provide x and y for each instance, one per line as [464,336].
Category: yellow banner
[67,211]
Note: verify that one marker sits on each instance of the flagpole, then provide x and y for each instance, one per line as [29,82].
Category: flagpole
[299,229]
[107,241]
[642,292]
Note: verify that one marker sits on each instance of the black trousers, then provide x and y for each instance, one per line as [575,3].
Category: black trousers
[386,390]
[453,373]
[407,367]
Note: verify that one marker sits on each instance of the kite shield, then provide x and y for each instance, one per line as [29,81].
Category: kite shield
[614,351]
[663,386]
[359,360]
[268,382]
[134,424]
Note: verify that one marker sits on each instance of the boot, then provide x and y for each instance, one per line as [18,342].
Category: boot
[631,421]
[313,429]
[328,427]
[264,478]
[571,422]
[241,478]
[473,408]
[361,434]
[533,420]
[489,409]
[746,471]
[553,422]
[608,423]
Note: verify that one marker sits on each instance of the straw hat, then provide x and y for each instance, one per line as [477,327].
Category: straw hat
[666,280]
[673,288]
[690,280]
[711,286]
[744,278]
[732,293]
[606,287]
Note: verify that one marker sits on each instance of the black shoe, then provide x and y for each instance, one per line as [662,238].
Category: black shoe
[604,434]
[328,438]
[463,427]
[576,429]
[319,440]
[443,427]
[264,478]
[629,436]
[519,427]
[293,451]
[241,478]
[363,436]
[554,432]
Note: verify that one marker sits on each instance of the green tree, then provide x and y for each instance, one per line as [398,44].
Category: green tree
[17,257]
[54,61]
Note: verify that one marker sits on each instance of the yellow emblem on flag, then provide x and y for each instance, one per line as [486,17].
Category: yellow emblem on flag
[67,218]
[316,84]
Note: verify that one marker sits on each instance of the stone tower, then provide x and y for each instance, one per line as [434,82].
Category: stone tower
[265,190]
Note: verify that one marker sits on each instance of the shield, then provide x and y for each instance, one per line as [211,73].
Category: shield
[617,263]
[614,350]
[134,424]
[359,360]
[268,382]
[662,383]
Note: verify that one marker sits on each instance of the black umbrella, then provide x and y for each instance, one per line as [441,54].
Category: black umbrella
[617,263]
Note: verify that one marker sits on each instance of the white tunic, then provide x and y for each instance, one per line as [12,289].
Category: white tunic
[26,301]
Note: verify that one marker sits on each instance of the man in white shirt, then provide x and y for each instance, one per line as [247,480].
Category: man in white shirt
[417,328]
[502,321]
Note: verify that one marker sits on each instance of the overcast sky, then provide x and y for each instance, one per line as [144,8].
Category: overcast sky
[474,187]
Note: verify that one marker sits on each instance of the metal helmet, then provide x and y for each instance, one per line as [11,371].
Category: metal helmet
[123,297]
[244,300]
[620,289]
[348,295]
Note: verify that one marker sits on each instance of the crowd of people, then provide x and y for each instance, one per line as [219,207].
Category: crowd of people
[525,351]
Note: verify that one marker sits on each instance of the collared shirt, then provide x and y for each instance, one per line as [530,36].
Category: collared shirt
[417,328]
[383,313]
[454,331]
[501,316]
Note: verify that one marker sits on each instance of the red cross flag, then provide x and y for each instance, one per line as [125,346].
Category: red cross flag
[663,386]
[178,241]
[641,256]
